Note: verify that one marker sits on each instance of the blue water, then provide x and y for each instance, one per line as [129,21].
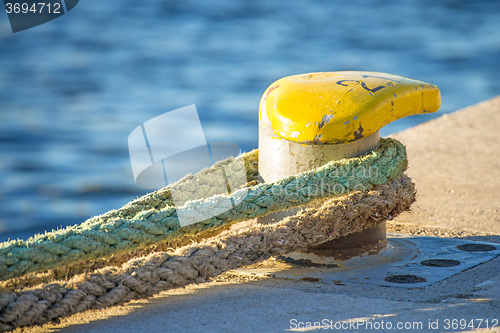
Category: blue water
[73,89]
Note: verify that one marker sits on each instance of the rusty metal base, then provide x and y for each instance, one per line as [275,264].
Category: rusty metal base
[366,242]
[408,261]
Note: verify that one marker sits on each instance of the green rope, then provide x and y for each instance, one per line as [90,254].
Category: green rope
[152,218]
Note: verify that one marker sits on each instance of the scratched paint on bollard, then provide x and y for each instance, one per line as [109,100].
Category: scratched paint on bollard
[343,106]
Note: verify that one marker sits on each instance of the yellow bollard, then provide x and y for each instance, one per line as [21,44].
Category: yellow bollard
[307,120]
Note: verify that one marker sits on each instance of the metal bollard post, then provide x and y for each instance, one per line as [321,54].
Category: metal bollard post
[307,120]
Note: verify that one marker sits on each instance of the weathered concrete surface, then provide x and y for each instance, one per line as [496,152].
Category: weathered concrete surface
[455,164]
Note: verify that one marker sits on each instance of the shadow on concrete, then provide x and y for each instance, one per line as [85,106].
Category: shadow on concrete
[464,301]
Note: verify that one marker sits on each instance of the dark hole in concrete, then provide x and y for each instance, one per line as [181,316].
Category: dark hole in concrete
[406,278]
[440,263]
[310,279]
[476,247]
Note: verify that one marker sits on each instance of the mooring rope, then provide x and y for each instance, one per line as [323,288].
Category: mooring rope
[153,218]
[197,263]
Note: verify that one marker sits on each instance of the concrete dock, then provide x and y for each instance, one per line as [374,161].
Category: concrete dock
[455,164]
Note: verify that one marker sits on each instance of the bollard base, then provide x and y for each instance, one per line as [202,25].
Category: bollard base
[366,242]
[408,261]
